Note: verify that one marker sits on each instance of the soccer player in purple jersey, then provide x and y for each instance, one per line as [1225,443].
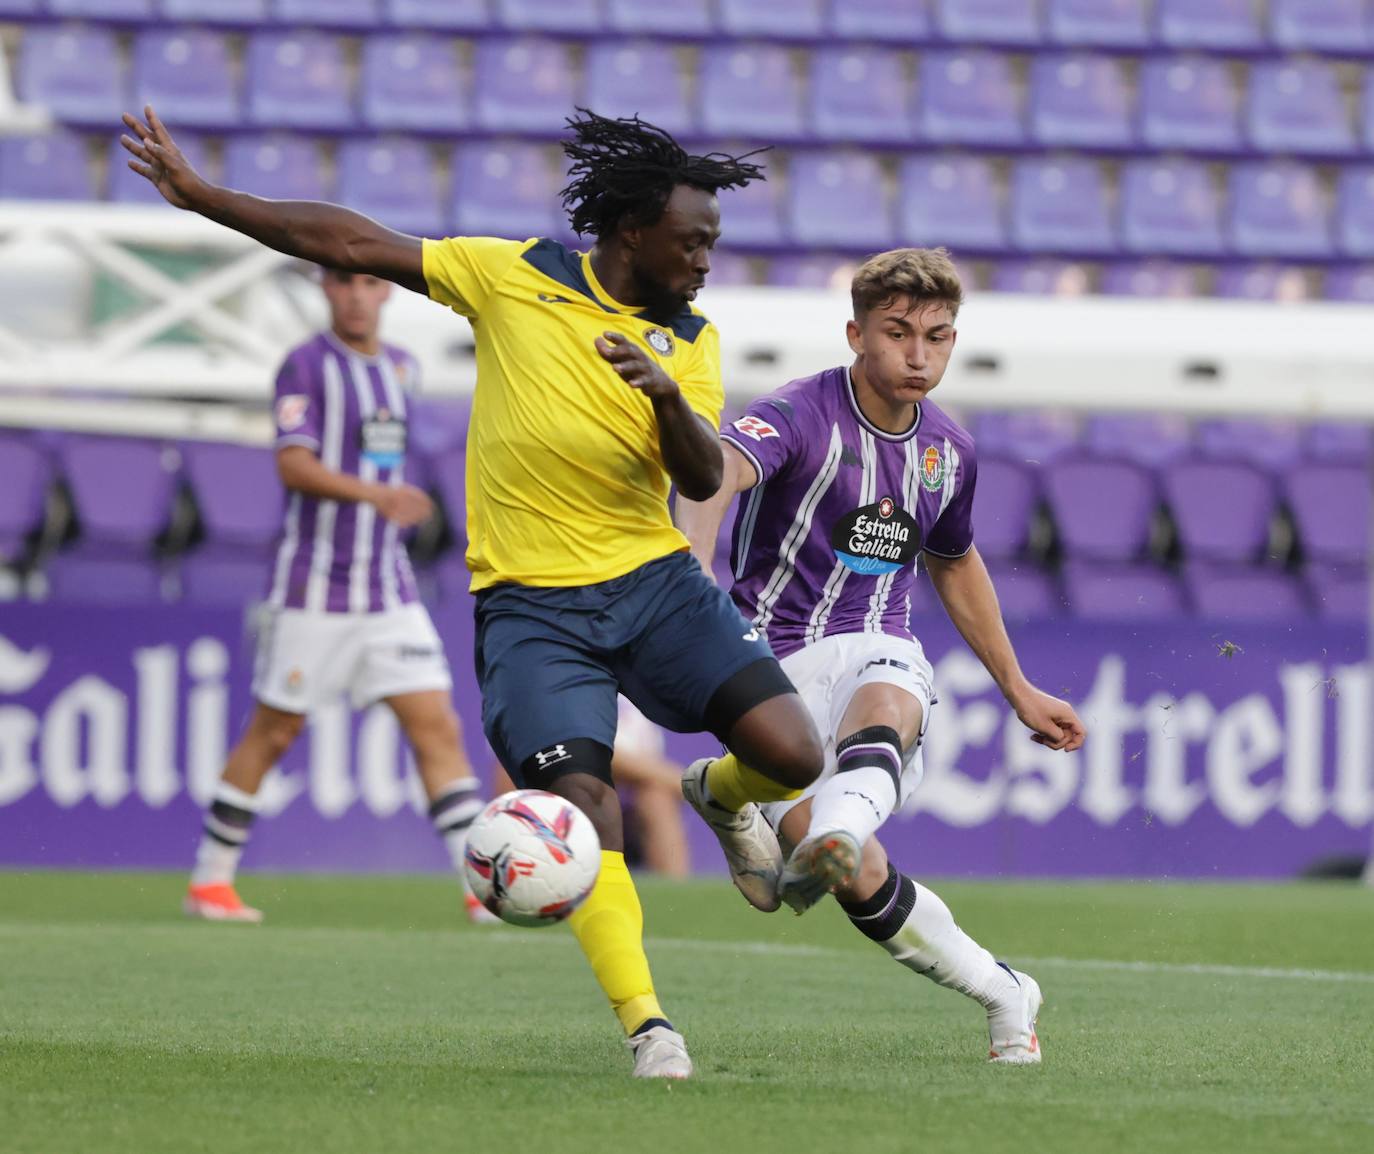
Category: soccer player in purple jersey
[343,614]
[850,476]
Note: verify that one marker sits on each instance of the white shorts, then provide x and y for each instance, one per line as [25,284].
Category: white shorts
[827,674]
[306,659]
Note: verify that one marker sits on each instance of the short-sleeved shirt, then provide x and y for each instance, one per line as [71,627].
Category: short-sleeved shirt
[352,411]
[827,541]
[565,481]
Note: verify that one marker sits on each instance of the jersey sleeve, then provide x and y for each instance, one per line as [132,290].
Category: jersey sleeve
[952,533]
[461,271]
[701,385]
[769,435]
[298,404]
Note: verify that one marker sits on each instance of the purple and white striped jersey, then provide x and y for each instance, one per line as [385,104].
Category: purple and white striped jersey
[827,541]
[351,410]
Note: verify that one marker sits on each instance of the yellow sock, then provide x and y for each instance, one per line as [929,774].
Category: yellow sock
[732,784]
[609,927]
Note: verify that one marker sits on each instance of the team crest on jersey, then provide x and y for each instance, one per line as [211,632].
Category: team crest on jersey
[660,340]
[932,469]
[291,411]
[755,427]
[877,539]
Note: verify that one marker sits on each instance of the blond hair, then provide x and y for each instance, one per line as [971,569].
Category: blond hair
[923,274]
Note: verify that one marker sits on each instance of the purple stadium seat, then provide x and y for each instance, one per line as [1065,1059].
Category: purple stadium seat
[859,94]
[18,9]
[1274,446]
[297,80]
[1154,441]
[750,90]
[282,167]
[75,72]
[838,199]
[220,577]
[557,16]
[1121,592]
[127,187]
[1170,208]
[988,21]
[1099,23]
[1338,443]
[1354,283]
[1320,25]
[811,271]
[1222,510]
[751,217]
[1149,278]
[523,85]
[394,181]
[1261,282]
[1245,594]
[117,11]
[681,18]
[51,167]
[1278,209]
[237,492]
[773,19]
[1060,206]
[1080,101]
[504,190]
[1331,506]
[439,15]
[1040,277]
[412,83]
[901,21]
[448,476]
[1355,211]
[1104,510]
[641,79]
[25,475]
[1338,594]
[215,11]
[1004,504]
[968,97]
[329,13]
[187,73]
[1297,106]
[1189,104]
[729,268]
[950,200]
[1024,592]
[1225,25]
[1028,436]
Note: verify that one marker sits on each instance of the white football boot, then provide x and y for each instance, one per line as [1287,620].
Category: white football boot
[817,867]
[1011,1023]
[750,845]
[660,1053]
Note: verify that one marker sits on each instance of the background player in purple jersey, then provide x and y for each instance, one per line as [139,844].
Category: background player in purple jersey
[342,611]
[852,474]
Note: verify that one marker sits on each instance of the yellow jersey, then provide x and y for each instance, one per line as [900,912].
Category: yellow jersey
[565,480]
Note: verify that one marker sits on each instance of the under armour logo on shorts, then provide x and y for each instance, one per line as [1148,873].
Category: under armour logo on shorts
[552,756]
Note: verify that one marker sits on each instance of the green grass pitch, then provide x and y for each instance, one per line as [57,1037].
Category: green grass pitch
[365,1016]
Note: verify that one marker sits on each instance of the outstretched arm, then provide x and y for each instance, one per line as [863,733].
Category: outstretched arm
[324,234]
[966,591]
[700,520]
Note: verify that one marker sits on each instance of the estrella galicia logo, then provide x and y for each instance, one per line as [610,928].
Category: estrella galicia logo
[879,538]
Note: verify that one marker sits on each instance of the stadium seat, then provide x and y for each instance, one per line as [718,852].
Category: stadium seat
[773,19]
[987,21]
[1353,283]
[1355,211]
[680,18]
[1060,206]
[1080,101]
[575,17]
[950,200]
[1103,510]
[1298,107]
[1338,594]
[282,167]
[811,271]
[643,78]
[1098,592]
[1004,503]
[448,478]
[394,181]
[1337,26]
[859,94]
[1331,507]
[351,14]
[19,9]
[1189,105]
[968,97]
[439,15]
[1043,277]
[126,187]
[838,199]
[1170,208]
[187,73]
[904,22]
[25,474]
[1152,440]
[1274,446]
[297,80]
[1098,23]
[76,72]
[1210,25]
[50,167]
[240,502]
[1025,593]
[751,217]
[1029,436]
[1338,443]
[1245,594]
[750,90]
[228,12]
[505,190]
[1148,278]
[412,83]
[1278,209]
[729,268]
[1260,282]
[523,85]
[1222,510]
[117,11]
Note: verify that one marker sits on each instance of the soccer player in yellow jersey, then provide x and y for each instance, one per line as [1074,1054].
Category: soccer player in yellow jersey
[598,385]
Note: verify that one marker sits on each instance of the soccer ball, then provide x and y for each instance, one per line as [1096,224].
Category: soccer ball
[532,857]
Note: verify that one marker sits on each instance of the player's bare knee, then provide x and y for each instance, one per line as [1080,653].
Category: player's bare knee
[277,731]
[597,800]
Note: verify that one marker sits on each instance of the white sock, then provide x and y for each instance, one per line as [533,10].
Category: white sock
[228,825]
[452,812]
[862,793]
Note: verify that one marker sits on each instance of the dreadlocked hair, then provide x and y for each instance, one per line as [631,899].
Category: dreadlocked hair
[629,168]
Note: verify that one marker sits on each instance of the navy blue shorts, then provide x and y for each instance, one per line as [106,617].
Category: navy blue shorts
[551,660]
